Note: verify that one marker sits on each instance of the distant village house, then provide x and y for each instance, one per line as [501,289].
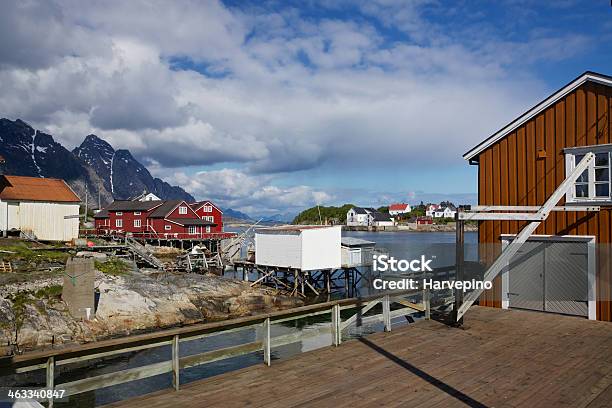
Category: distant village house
[368,217]
[399,209]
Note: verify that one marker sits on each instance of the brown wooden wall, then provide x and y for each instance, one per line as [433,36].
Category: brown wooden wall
[511,174]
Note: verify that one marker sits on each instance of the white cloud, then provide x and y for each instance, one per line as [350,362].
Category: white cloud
[285,92]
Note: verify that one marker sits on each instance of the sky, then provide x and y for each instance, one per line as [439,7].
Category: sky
[274,106]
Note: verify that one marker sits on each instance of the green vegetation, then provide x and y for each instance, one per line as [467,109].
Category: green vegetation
[24,251]
[331,214]
[49,292]
[114,267]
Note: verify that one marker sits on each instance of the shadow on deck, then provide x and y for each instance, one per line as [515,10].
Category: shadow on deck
[500,358]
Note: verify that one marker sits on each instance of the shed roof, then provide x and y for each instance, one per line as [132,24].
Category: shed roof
[36,189]
[540,107]
[355,242]
[377,216]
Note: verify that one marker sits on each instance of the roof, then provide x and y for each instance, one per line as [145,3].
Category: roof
[192,221]
[561,93]
[103,213]
[125,205]
[355,242]
[398,207]
[293,229]
[197,205]
[166,208]
[359,210]
[36,189]
[377,216]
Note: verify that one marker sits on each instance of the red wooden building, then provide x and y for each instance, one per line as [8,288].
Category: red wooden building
[172,219]
[207,211]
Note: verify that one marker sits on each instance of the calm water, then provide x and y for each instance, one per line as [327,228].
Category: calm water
[408,245]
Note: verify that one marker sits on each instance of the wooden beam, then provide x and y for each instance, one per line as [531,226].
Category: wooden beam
[563,208]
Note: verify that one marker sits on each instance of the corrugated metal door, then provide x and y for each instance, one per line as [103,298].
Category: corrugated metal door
[13,216]
[550,276]
[566,278]
[526,277]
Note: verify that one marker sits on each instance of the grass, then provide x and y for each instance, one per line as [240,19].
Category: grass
[25,252]
[114,267]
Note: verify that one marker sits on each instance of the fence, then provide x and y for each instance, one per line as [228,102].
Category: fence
[50,359]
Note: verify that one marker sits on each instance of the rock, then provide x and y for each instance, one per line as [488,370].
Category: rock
[88,254]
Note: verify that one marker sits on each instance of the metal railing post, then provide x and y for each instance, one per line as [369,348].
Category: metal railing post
[336,329]
[427,304]
[175,362]
[266,341]
[50,378]
[386,304]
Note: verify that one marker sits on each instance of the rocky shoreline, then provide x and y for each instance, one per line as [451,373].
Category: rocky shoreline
[33,315]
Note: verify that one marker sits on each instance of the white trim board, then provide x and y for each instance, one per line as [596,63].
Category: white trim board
[530,114]
[591,267]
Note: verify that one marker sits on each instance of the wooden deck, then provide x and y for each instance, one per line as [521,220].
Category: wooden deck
[500,358]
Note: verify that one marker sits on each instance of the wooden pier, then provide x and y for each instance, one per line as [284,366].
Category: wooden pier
[501,358]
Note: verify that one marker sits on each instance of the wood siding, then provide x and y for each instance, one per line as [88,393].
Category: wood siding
[510,173]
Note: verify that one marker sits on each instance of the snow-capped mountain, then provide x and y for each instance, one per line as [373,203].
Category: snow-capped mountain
[107,173]
[122,174]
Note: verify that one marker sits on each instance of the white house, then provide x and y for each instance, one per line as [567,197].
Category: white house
[368,217]
[356,252]
[445,212]
[378,219]
[145,197]
[399,209]
[357,216]
[44,207]
[430,210]
[303,247]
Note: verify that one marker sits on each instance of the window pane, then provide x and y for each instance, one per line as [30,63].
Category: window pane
[602,190]
[584,177]
[582,190]
[601,159]
[602,174]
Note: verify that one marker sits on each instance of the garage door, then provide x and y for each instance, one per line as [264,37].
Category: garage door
[550,276]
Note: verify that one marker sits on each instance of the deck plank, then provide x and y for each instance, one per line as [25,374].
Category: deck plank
[501,358]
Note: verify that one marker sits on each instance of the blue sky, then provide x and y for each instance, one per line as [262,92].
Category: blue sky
[271,107]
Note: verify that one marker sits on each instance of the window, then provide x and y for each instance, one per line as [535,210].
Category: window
[192,230]
[137,213]
[118,213]
[167,227]
[208,208]
[208,228]
[118,223]
[594,183]
[137,223]
[182,210]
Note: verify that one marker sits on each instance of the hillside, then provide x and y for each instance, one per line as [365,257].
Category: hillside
[331,214]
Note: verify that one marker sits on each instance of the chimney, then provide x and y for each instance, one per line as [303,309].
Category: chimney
[2,161]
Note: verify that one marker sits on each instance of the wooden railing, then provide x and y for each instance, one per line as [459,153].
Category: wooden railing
[49,359]
[107,232]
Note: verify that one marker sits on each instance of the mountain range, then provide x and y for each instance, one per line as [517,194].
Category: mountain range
[94,166]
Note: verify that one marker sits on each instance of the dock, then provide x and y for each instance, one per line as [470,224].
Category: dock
[501,358]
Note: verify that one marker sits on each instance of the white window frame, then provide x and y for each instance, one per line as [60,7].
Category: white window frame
[138,223]
[193,230]
[137,213]
[118,213]
[182,210]
[208,228]
[119,223]
[208,208]
[570,164]
[167,227]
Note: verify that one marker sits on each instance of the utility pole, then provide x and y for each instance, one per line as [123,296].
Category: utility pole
[86,197]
